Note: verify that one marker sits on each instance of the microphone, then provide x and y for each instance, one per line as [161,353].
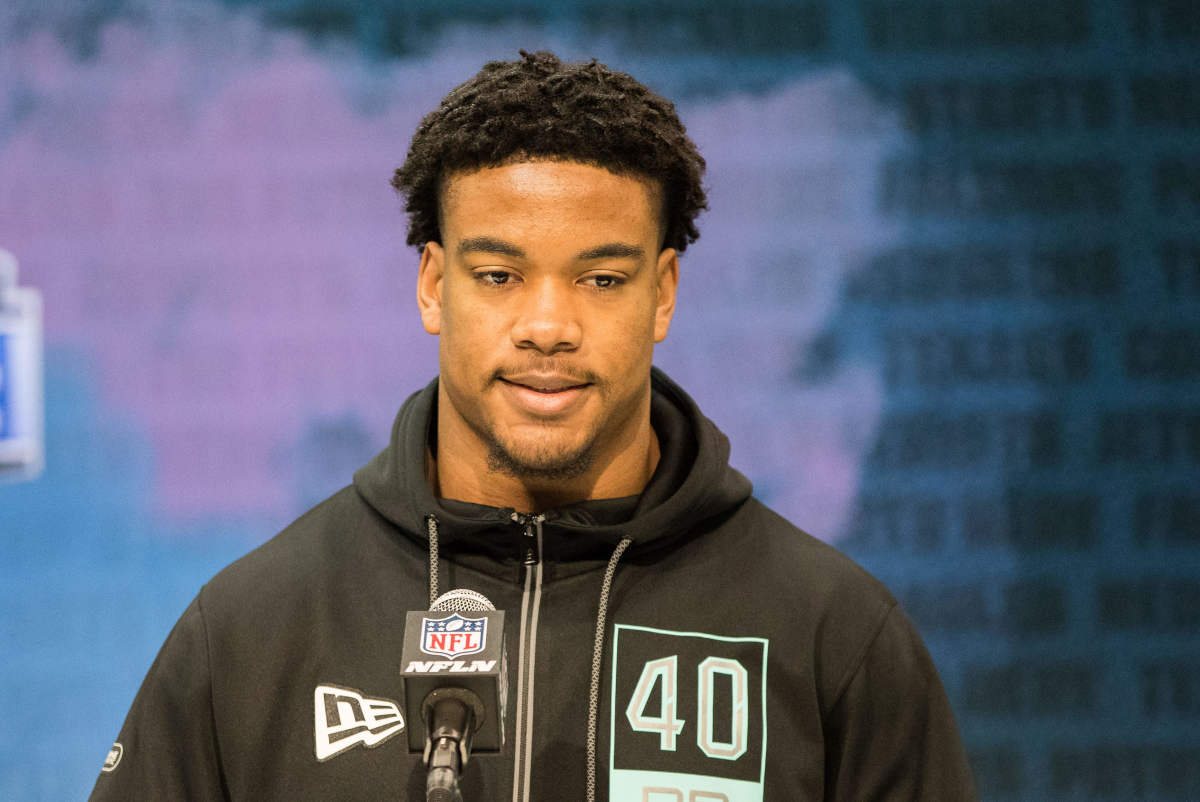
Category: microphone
[461,698]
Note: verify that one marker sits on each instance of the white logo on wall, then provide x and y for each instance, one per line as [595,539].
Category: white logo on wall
[343,718]
[113,758]
[21,435]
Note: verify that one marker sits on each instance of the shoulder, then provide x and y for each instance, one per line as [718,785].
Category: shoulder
[807,568]
[331,550]
[833,609]
[293,553]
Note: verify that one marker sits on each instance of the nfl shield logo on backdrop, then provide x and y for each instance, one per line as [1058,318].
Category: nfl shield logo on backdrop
[454,636]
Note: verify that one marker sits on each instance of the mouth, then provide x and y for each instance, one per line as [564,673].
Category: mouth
[548,384]
[544,395]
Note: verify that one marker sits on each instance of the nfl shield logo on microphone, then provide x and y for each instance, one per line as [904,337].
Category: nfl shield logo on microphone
[454,636]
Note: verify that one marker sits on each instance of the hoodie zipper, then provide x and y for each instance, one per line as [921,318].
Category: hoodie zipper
[531,602]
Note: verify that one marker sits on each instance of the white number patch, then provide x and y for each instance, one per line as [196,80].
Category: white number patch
[688,716]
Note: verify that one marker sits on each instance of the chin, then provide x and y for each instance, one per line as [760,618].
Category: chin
[540,461]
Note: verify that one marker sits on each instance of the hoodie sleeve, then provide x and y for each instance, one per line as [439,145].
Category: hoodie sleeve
[167,747]
[891,735]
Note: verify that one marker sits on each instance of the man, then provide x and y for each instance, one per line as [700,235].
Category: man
[670,637]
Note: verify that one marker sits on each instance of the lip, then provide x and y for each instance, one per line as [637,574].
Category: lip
[543,394]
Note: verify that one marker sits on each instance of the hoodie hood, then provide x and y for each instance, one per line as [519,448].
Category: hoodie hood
[692,483]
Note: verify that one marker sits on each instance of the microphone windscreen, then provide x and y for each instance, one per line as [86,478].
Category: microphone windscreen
[461,600]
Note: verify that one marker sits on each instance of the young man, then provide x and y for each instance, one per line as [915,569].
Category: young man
[670,638]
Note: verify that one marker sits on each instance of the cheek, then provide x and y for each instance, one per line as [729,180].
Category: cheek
[468,327]
[459,348]
[629,339]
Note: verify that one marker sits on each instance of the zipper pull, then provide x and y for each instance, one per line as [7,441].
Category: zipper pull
[529,537]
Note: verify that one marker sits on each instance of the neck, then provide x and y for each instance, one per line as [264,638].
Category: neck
[458,468]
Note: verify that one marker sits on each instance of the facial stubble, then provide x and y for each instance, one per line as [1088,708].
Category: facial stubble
[545,469]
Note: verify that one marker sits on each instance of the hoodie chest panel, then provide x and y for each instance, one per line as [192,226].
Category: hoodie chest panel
[708,689]
[321,718]
[313,716]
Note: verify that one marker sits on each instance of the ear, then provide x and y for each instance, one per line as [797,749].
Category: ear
[667,272]
[429,287]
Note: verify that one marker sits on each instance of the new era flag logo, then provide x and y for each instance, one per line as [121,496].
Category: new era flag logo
[454,636]
[346,718]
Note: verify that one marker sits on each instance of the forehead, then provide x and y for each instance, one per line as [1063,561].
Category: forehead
[550,196]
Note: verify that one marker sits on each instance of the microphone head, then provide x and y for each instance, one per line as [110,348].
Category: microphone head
[461,600]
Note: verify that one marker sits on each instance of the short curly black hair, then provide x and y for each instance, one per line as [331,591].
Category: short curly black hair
[539,108]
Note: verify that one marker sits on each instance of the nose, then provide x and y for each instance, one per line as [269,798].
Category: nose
[547,319]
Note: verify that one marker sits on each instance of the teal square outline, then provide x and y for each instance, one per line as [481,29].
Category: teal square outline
[612,700]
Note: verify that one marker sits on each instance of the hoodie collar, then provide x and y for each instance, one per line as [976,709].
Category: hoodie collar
[692,483]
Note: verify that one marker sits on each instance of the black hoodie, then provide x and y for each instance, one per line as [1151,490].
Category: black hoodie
[741,658]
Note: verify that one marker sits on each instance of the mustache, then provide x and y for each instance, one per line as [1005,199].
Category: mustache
[572,373]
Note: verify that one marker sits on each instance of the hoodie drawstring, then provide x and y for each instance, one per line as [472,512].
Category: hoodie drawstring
[431,527]
[597,657]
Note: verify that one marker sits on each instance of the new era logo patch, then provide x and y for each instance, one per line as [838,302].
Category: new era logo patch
[345,718]
[454,636]
[113,758]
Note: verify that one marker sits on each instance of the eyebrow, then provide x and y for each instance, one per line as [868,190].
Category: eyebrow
[609,250]
[613,250]
[489,245]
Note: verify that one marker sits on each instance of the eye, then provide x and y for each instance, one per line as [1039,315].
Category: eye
[605,281]
[493,278]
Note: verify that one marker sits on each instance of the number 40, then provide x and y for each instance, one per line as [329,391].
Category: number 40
[665,672]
